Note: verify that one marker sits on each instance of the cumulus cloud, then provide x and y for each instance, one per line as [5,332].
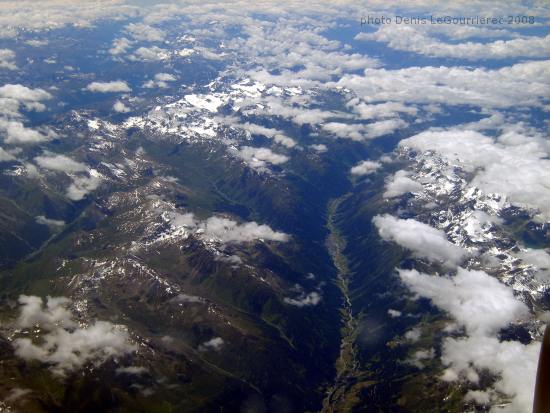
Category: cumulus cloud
[144,32]
[84,179]
[365,168]
[413,39]
[153,53]
[319,147]
[82,186]
[421,356]
[495,163]
[259,158]
[538,258]
[523,84]
[483,306]
[304,300]
[63,343]
[401,183]
[117,86]
[17,133]
[41,219]
[380,110]
[165,77]
[285,141]
[514,365]
[226,230]
[120,107]
[60,163]
[120,46]
[253,129]
[25,95]
[12,98]
[214,344]
[423,240]
[186,298]
[5,156]
[37,42]
[54,14]
[394,313]
[161,81]
[359,132]
[413,334]
[479,302]
[132,370]
[7,59]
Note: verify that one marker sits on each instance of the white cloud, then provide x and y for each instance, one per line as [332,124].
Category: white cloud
[496,162]
[5,156]
[54,314]
[400,183]
[421,356]
[64,344]
[41,219]
[161,81]
[365,168]
[476,300]
[523,84]
[359,132]
[153,53]
[60,163]
[144,32]
[413,334]
[394,313]
[285,141]
[384,127]
[413,39]
[321,148]
[133,370]
[539,258]
[120,46]
[305,300]
[380,110]
[214,344]
[55,14]
[185,298]
[82,186]
[17,133]
[37,42]
[120,107]
[165,77]
[109,87]
[226,230]
[84,179]
[514,365]
[7,59]
[12,98]
[253,129]
[423,240]
[24,94]
[260,157]
[483,305]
